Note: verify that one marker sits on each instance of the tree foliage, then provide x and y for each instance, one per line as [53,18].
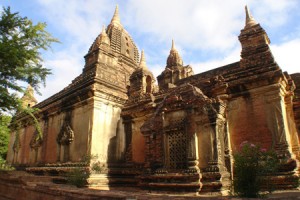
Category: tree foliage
[4,135]
[21,43]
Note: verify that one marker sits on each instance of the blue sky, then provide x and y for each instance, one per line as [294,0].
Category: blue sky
[205,32]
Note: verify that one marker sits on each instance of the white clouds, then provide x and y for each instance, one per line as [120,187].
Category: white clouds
[205,32]
[202,24]
[65,67]
[77,22]
[273,13]
[196,24]
[232,57]
[287,55]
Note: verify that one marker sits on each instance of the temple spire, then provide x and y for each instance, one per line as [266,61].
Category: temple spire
[103,30]
[250,21]
[116,18]
[174,58]
[143,61]
[28,99]
[173,46]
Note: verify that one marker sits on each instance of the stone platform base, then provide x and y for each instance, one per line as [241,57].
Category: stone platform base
[16,185]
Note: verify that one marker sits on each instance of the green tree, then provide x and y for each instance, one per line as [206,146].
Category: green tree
[4,135]
[21,43]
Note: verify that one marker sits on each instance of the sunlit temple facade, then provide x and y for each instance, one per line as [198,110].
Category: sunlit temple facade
[178,133]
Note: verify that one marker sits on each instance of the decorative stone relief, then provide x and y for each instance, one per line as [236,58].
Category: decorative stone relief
[17,143]
[36,140]
[66,135]
[220,143]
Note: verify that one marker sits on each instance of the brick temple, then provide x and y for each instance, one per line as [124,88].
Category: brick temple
[178,134]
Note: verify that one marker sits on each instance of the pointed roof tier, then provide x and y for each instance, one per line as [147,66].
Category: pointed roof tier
[143,61]
[120,41]
[141,80]
[174,58]
[255,43]
[29,91]
[115,39]
[116,18]
[142,70]
[250,21]
[252,34]
[28,99]
[102,38]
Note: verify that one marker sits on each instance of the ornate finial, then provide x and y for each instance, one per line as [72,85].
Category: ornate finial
[103,32]
[174,57]
[250,21]
[173,46]
[143,61]
[116,18]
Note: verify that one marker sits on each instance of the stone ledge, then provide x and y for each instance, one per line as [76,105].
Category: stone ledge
[48,191]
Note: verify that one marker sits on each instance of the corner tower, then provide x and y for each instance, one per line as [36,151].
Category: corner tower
[255,43]
[266,93]
[111,60]
[174,70]
[141,80]
[114,54]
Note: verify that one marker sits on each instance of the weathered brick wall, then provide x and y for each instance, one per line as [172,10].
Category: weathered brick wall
[48,151]
[296,101]
[138,142]
[247,121]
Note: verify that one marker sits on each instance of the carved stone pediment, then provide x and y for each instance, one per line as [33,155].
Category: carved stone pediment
[36,140]
[185,96]
[182,97]
[66,135]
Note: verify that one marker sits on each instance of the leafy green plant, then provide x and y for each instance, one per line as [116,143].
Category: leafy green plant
[95,164]
[21,44]
[4,135]
[30,111]
[96,167]
[4,166]
[78,176]
[251,164]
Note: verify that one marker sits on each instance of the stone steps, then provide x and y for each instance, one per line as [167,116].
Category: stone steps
[211,182]
[112,180]
[175,182]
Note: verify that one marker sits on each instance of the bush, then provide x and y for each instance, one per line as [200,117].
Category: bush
[78,177]
[4,166]
[250,164]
